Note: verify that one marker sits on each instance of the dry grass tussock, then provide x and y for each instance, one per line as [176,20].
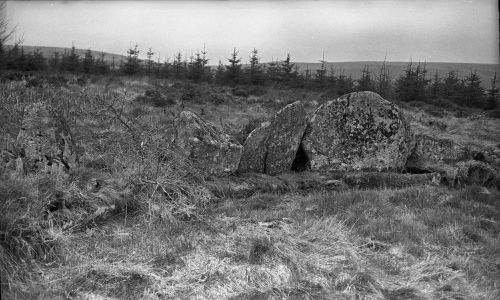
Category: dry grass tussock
[320,246]
[137,221]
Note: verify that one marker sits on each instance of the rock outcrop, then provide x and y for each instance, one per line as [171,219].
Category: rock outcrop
[358,131]
[272,147]
[474,172]
[457,164]
[253,158]
[286,131]
[431,154]
[213,151]
[44,141]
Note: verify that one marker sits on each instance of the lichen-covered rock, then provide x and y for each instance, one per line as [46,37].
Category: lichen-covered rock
[458,164]
[358,131]
[44,140]
[272,147]
[285,134]
[474,172]
[213,151]
[253,158]
[431,154]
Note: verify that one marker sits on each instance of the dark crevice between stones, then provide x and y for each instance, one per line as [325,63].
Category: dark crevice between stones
[264,168]
[416,170]
[301,162]
[478,156]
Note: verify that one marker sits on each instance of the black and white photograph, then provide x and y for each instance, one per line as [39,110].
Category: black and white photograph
[247,150]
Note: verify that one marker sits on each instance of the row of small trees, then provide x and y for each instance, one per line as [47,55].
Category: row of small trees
[15,58]
[414,85]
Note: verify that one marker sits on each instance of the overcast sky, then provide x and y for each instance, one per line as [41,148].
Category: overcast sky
[361,30]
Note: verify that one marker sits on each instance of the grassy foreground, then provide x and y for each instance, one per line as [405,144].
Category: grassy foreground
[129,225]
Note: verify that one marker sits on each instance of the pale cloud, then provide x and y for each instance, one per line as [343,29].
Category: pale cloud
[442,30]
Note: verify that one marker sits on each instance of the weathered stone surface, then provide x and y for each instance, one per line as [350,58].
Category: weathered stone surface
[12,162]
[253,158]
[474,172]
[358,131]
[457,164]
[44,141]
[431,154]
[285,134]
[272,147]
[214,151]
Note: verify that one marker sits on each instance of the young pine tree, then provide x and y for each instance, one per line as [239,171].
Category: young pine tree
[272,71]
[254,73]
[178,69]
[100,65]
[331,78]
[166,69]
[197,68]
[383,81]
[71,61]
[435,86]
[88,62]
[149,61]
[132,65]
[366,83]
[344,84]
[233,70]
[220,74]
[307,76]
[451,86]
[492,98]
[20,60]
[412,85]
[472,93]
[55,62]
[36,61]
[286,70]
[321,76]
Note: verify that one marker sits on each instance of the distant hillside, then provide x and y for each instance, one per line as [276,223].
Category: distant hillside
[49,52]
[485,71]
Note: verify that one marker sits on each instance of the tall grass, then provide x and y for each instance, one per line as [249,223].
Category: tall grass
[137,220]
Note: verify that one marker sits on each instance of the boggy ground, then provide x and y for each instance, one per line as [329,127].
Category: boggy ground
[140,222]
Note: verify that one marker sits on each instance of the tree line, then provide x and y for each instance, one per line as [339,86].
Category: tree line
[415,84]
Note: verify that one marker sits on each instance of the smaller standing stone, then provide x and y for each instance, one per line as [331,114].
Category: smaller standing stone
[212,150]
[44,140]
[272,147]
[253,158]
[285,135]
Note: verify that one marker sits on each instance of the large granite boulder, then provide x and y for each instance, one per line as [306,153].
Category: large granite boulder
[272,148]
[358,131]
[213,151]
[45,140]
